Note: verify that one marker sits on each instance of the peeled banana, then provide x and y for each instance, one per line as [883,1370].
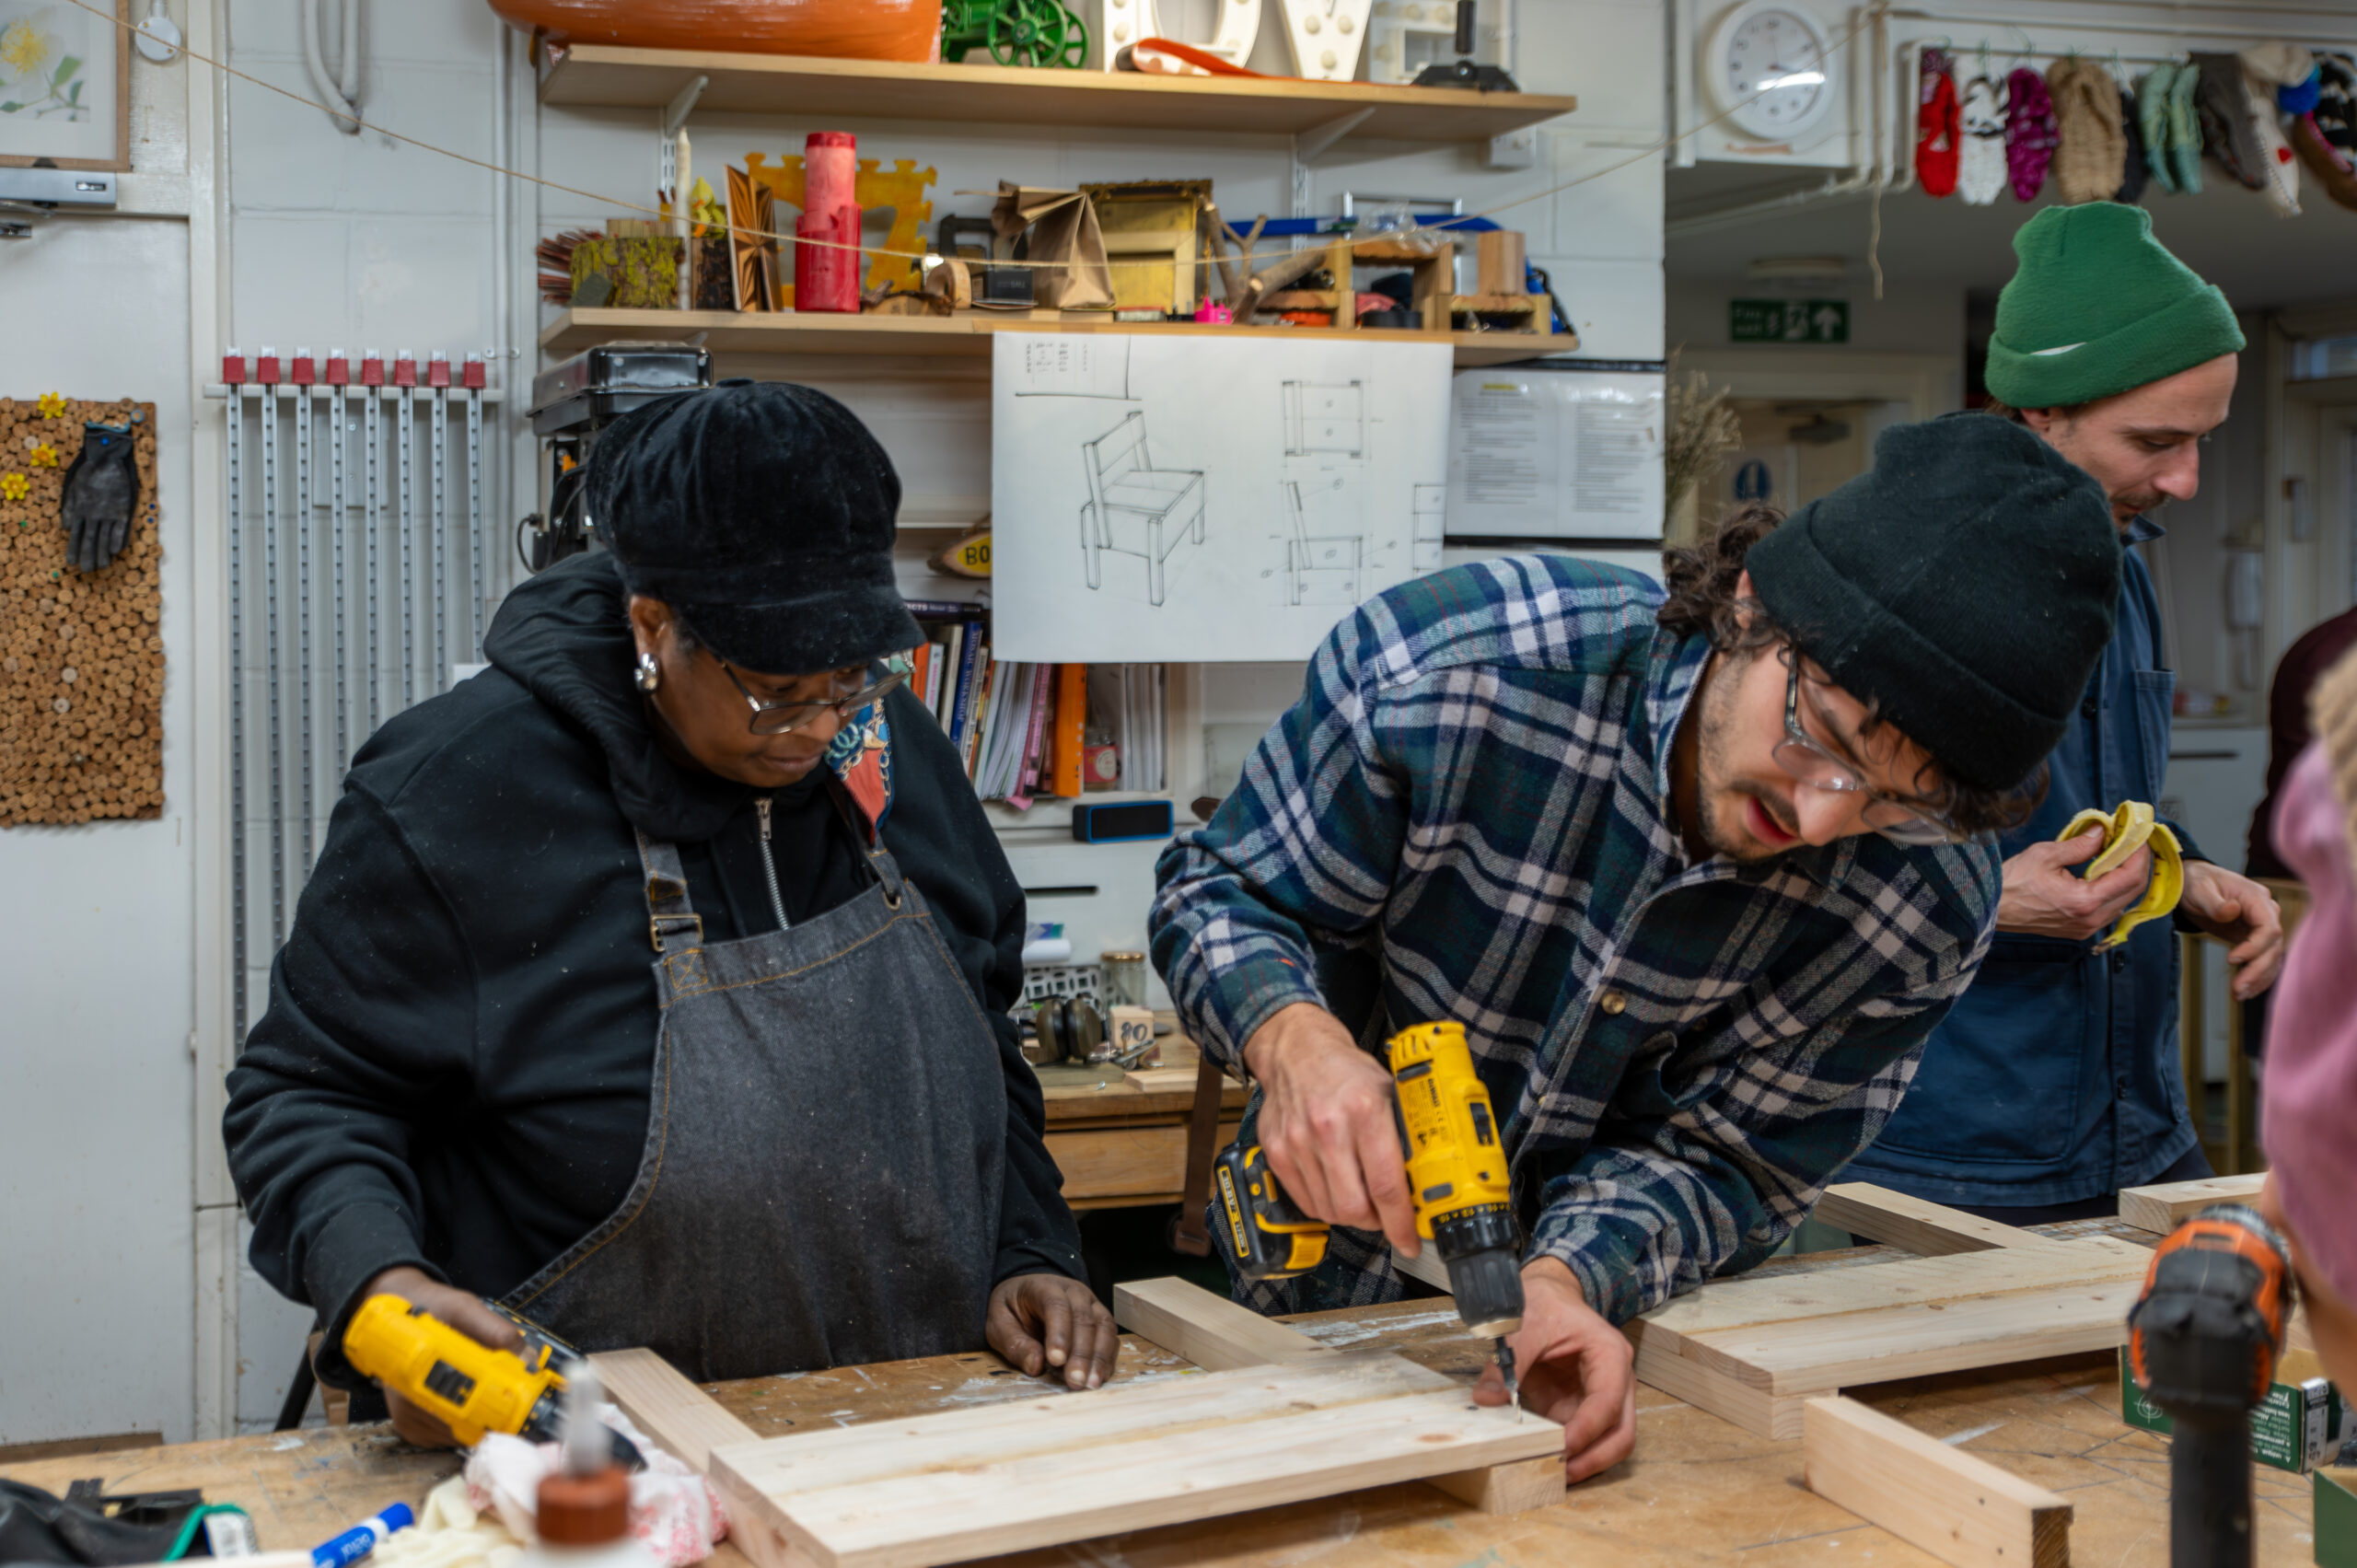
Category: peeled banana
[2126,830]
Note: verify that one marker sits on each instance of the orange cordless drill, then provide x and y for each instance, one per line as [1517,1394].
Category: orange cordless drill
[2202,1339]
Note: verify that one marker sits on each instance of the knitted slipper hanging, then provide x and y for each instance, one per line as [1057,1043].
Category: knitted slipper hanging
[2335,115]
[1938,126]
[2185,129]
[2227,134]
[2339,181]
[2090,151]
[2030,137]
[2133,171]
[2152,123]
[2326,136]
[1980,160]
[2267,68]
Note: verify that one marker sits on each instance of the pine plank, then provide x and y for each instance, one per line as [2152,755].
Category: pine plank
[1744,1301]
[1218,1334]
[1661,1364]
[1006,1478]
[1214,1333]
[1920,1226]
[683,1420]
[1819,1355]
[1750,1350]
[2163,1208]
[968,333]
[1957,1506]
[813,88]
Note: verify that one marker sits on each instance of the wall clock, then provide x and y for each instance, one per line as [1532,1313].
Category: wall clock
[1770,68]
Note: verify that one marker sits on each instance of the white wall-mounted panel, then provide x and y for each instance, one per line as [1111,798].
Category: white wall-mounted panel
[96,1157]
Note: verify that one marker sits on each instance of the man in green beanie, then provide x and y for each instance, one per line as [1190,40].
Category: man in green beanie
[2054,1082]
[1697,872]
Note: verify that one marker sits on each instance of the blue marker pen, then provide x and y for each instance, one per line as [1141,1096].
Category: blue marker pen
[362,1538]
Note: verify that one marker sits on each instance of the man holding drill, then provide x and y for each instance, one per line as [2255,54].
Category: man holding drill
[1697,872]
[2054,1082]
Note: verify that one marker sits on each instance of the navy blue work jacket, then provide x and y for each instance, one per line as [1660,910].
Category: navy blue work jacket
[2056,1077]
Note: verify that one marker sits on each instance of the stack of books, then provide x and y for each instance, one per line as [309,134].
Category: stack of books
[1019,728]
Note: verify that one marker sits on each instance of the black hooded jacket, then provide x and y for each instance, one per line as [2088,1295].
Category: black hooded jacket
[453,1071]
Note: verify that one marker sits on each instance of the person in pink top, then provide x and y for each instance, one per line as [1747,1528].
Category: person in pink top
[2310,1103]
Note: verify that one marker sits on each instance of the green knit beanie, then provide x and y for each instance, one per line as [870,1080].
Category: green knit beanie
[1964,585]
[2099,307]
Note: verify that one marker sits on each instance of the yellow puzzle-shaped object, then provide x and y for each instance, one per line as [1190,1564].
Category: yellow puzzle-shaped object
[902,190]
[2130,828]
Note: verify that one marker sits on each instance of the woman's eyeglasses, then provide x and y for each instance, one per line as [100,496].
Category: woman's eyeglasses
[784,718]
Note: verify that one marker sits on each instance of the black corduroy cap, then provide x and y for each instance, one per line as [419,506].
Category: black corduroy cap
[762,513]
[1965,586]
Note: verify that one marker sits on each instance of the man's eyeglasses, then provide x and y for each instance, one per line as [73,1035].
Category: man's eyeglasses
[784,718]
[1800,755]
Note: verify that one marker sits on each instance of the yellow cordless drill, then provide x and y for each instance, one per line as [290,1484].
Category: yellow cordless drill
[471,1386]
[1456,1178]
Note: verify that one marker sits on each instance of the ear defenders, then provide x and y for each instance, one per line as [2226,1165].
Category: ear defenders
[1070,1028]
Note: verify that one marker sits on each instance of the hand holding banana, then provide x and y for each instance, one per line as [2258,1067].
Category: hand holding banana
[2130,828]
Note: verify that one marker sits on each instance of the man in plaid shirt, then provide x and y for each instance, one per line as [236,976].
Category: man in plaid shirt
[1697,872]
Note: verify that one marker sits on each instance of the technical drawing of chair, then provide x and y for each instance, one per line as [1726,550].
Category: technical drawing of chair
[1135,508]
[1319,568]
[1325,419]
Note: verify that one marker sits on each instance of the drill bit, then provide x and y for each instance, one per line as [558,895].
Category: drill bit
[1505,1366]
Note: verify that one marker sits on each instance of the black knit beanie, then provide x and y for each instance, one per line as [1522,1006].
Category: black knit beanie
[1964,587]
[762,513]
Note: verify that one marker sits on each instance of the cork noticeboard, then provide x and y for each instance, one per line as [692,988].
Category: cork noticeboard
[81,654]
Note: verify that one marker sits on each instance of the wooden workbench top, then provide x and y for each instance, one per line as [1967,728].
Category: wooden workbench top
[1698,1491]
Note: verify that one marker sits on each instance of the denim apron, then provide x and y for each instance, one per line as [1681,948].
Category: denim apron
[825,1143]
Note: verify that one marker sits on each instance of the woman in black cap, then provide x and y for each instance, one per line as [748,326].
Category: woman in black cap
[654,983]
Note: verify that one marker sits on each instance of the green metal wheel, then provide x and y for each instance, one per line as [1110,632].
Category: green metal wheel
[1037,32]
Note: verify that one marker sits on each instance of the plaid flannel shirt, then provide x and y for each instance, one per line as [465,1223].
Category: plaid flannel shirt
[1468,816]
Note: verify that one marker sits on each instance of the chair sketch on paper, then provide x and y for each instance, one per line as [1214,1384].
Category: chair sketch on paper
[1135,508]
[1326,420]
[1319,568]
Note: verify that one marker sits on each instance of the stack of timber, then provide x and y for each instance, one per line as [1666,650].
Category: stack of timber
[1290,1420]
[1754,1351]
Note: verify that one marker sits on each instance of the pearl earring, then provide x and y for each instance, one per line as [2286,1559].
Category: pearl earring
[649,676]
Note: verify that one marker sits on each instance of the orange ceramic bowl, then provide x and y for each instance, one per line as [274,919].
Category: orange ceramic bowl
[856,29]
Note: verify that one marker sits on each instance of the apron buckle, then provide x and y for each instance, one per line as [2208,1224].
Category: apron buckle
[658,925]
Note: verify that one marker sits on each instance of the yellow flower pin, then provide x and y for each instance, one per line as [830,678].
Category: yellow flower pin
[15,487]
[52,404]
[44,455]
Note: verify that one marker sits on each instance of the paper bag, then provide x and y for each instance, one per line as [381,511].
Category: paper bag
[1063,228]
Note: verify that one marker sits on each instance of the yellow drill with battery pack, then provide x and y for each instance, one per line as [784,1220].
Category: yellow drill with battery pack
[473,1387]
[1456,1178]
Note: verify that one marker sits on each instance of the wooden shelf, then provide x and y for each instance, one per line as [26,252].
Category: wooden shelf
[731,331]
[600,76]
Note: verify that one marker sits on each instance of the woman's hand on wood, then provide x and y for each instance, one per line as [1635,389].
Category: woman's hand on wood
[1038,1321]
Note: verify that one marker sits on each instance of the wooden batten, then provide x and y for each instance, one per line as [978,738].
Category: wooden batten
[1925,1228]
[2164,1208]
[1957,1506]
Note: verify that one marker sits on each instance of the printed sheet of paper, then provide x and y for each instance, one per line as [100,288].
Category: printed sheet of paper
[1557,454]
[1203,499]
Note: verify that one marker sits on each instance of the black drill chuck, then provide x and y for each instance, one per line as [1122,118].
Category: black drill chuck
[1483,1272]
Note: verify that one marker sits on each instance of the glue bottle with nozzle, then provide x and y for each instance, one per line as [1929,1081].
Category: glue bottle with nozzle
[583,1518]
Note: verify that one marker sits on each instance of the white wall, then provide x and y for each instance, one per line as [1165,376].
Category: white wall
[96,1155]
